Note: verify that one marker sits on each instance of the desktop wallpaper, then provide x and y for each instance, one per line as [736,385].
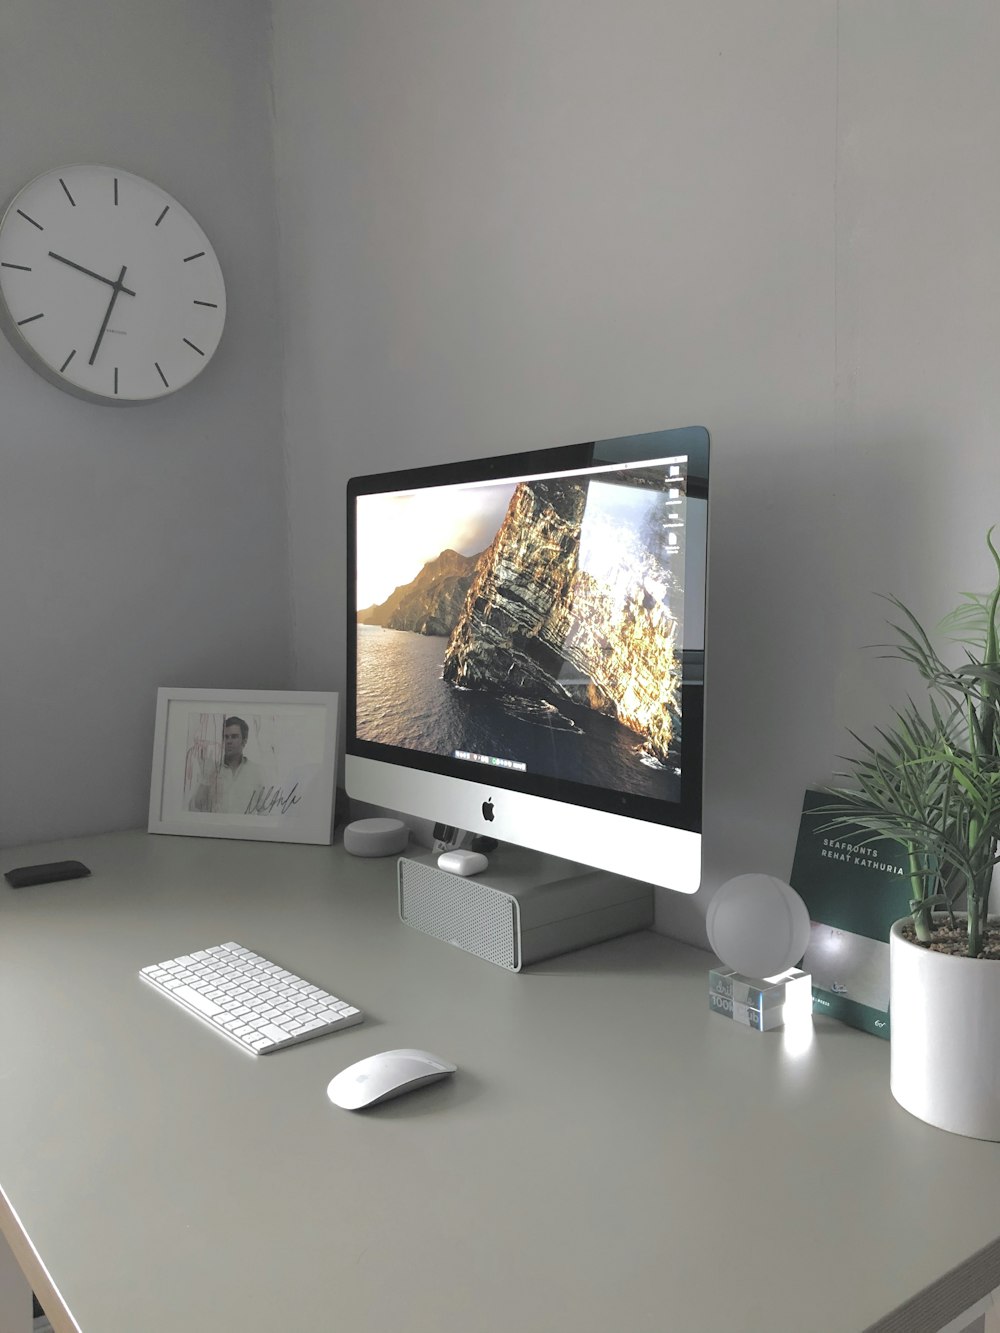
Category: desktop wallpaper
[535,625]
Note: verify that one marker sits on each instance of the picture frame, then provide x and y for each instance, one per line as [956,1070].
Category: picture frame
[254,764]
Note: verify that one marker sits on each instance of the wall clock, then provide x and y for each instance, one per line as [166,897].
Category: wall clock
[108,286]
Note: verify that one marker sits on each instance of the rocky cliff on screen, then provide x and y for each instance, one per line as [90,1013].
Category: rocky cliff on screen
[535,621]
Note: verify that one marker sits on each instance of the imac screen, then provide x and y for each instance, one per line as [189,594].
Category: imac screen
[536,622]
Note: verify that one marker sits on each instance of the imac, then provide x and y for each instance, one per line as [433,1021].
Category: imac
[526,644]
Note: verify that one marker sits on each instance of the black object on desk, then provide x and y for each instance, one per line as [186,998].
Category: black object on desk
[23,876]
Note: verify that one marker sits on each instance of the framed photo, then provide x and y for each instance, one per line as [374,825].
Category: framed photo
[244,764]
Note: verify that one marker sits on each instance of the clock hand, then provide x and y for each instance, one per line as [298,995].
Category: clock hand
[119,287]
[89,271]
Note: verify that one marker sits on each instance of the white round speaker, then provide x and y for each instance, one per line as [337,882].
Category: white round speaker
[375,837]
[758,925]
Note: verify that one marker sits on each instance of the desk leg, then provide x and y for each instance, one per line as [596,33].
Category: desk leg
[15,1293]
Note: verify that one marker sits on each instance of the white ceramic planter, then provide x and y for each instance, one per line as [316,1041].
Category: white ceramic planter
[945,1037]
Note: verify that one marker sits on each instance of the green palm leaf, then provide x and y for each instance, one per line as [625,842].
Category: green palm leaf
[930,780]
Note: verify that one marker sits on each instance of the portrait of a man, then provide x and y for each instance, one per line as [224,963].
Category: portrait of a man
[227,783]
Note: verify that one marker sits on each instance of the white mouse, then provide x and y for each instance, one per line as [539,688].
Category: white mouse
[461,861]
[388,1074]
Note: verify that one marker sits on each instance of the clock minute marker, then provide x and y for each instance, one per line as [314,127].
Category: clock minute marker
[163,377]
[193,347]
[31,319]
[27,218]
[212,305]
[116,381]
[116,191]
[188,258]
[162,216]
[24,268]
[66,190]
[67,361]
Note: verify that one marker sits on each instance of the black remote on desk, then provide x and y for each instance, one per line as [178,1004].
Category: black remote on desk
[45,874]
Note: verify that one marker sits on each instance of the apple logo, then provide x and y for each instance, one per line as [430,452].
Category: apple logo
[488,811]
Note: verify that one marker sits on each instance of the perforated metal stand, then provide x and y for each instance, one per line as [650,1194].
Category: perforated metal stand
[522,908]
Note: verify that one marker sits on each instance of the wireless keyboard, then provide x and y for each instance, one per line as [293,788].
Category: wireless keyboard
[249,999]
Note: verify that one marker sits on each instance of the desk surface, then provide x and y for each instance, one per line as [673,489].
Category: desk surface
[610,1155]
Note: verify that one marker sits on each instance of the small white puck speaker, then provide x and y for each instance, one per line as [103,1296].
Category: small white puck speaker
[376,837]
[758,925]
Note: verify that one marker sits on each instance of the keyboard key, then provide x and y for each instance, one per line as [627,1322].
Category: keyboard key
[200,1002]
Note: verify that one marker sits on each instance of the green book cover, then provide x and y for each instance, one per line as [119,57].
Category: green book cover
[854,893]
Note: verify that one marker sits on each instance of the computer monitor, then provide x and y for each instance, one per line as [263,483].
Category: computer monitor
[526,643]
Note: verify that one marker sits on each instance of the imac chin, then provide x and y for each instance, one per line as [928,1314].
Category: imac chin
[526,649]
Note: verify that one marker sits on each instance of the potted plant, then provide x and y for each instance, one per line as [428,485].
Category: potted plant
[930,781]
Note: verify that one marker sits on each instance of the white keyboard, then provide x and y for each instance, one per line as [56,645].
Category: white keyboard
[257,1004]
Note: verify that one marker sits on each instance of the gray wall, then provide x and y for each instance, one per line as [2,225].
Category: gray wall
[139,546]
[505,224]
[515,223]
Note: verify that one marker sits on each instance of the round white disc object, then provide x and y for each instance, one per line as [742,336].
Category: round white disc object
[758,925]
[376,837]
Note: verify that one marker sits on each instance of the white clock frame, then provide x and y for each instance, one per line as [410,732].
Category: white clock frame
[109,288]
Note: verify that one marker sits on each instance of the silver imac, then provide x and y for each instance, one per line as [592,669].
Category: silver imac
[526,649]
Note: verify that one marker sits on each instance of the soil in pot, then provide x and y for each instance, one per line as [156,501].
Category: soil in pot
[955,940]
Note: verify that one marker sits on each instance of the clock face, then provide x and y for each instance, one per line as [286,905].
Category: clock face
[108,287]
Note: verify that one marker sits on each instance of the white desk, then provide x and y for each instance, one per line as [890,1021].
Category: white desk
[610,1156]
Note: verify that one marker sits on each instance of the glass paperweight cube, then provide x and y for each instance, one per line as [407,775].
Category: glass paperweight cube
[762,1003]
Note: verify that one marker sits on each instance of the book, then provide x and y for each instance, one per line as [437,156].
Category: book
[854,893]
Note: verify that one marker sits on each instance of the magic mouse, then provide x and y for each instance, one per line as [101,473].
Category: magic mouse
[388,1074]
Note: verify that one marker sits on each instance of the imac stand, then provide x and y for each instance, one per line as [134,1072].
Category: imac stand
[525,906]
